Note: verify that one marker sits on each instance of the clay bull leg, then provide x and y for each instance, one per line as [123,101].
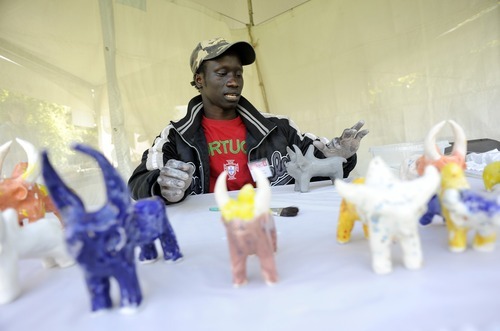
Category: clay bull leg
[238,251]
[130,291]
[98,287]
[252,237]
[266,247]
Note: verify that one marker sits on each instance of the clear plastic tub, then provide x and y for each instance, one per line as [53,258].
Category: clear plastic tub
[394,154]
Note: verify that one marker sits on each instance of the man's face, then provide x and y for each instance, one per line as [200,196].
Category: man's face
[221,83]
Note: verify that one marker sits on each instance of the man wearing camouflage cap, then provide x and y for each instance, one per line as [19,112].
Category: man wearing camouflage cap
[223,131]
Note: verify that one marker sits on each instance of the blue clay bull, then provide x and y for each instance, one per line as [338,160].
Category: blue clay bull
[103,242]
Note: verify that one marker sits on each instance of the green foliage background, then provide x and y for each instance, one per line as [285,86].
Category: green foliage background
[45,125]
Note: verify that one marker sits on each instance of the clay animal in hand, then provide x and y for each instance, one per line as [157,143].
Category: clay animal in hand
[466,209]
[346,145]
[414,166]
[392,209]
[21,191]
[249,226]
[43,239]
[304,167]
[103,241]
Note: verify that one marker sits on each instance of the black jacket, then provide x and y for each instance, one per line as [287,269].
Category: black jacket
[267,137]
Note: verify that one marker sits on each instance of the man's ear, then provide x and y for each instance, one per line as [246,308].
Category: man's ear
[198,80]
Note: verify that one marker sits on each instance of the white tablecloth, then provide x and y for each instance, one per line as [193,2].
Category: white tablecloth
[323,285]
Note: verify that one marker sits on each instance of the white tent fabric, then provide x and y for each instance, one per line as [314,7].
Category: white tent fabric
[402,66]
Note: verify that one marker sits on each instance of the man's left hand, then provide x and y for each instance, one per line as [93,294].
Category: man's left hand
[344,146]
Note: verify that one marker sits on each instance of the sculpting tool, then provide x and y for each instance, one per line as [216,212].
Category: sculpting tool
[284,212]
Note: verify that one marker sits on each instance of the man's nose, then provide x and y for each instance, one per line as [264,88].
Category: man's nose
[232,81]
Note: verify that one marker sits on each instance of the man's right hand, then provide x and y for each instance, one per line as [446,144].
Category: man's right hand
[174,179]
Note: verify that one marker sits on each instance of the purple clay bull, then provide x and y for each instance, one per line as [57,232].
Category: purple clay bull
[103,242]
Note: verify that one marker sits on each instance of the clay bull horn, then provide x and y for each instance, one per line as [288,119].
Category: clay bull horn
[33,169]
[4,149]
[64,197]
[262,197]
[459,146]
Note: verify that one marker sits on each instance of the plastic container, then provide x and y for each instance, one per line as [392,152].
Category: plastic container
[394,154]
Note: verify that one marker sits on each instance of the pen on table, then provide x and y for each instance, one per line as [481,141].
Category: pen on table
[285,212]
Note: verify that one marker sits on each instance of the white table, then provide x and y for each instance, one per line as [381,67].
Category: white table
[323,285]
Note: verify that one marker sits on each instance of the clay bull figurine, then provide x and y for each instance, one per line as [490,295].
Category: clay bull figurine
[491,176]
[466,209]
[249,226]
[43,239]
[392,209]
[103,241]
[414,166]
[21,191]
[304,167]
[348,215]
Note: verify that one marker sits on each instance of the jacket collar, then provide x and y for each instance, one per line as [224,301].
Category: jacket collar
[257,125]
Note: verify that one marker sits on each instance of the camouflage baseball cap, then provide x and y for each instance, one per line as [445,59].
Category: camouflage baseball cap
[210,49]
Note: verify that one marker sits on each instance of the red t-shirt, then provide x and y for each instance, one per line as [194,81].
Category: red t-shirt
[227,150]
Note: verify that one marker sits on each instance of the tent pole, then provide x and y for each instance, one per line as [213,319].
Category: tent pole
[257,67]
[118,136]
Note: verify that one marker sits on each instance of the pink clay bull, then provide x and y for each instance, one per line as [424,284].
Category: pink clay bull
[415,165]
[20,191]
[250,227]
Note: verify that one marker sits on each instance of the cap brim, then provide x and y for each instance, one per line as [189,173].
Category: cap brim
[244,50]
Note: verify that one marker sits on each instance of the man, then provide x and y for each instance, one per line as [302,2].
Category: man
[224,131]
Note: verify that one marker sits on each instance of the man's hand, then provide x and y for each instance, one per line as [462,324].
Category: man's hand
[175,177]
[345,146]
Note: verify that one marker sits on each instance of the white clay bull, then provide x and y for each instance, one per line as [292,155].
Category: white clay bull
[249,226]
[43,239]
[392,209]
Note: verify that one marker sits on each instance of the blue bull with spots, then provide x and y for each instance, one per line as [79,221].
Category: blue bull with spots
[103,242]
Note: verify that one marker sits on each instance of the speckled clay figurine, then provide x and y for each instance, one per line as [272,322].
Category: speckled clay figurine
[43,239]
[303,167]
[414,166]
[491,176]
[103,241]
[348,215]
[466,209]
[249,226]
[392,208]
[20,191]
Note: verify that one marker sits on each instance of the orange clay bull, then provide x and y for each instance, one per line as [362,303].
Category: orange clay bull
[249,226]
[432,155]
[20,191]
[414,166]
